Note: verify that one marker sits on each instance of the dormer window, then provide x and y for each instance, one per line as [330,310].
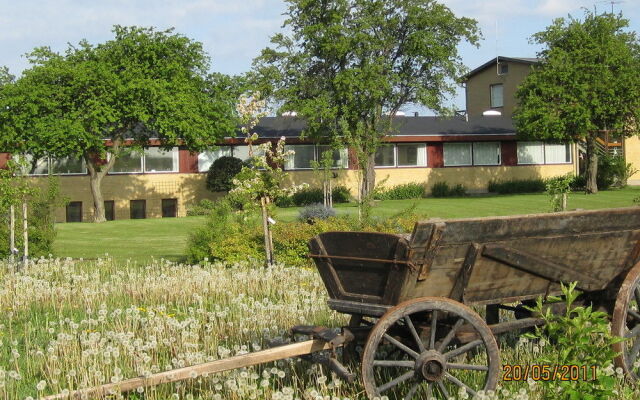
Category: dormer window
[503,69]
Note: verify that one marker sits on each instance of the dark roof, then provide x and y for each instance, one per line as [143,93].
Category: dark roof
[521,60]
[275,127]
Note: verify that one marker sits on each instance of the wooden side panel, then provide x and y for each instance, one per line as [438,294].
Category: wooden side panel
[509,150]
[4,159]
[435,155]
[188,162]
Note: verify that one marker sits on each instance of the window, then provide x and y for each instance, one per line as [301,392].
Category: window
[68,166]
[486,153]
[74,211]
[169,208]
[503,68]
[207,158]
[130,162]
[109,210]
[137,209]
[158,160]
[412,155]
[242,152]
[31,167]
[457,154]
[497,95]
[557,153]
[302,156]
[385,156]
[543,153]
[340,156]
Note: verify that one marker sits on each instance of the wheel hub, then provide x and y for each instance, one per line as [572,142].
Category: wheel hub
[431,365]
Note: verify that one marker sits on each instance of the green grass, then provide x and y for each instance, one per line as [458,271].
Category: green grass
[139,240]
[135,239]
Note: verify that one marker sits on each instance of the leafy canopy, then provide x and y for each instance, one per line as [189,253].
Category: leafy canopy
[588,79]
[142,84]
[344,63]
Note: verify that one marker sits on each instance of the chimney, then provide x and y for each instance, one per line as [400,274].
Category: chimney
[415,113]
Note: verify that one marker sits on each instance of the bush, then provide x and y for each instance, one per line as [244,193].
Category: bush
[613,171]
[442,189]
[518,186]
[341,194]
[204,207]
[401,192]
[226,237]
[307,196]
[313,212]
[221,173]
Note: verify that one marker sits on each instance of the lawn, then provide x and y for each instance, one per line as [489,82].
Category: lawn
[139,240]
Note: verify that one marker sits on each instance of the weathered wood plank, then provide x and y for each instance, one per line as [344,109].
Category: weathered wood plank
[241,361]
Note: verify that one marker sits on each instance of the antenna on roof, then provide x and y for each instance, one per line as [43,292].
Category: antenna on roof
[612,2]
[497,56]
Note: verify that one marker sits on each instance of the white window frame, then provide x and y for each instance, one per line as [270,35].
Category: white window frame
[223,151]
[444,158]
[395,156]
[421,147]
[544,154]
[176,163]
[344,155]
[473,155]
[84,168]
[491,97]
[48,161]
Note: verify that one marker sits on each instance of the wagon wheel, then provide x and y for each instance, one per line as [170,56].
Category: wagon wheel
[626,323]
[428,333]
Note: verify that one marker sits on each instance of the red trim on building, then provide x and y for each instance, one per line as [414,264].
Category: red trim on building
[435,155]
[509,152]
[187,161]
[460,138]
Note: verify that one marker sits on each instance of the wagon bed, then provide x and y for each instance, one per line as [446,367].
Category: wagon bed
[478,260]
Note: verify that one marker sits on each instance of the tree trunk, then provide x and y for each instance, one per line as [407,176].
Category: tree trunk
[592,165]
[95,180]
[268,243]
[368,177]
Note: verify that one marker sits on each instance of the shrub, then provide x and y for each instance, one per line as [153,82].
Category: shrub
[613,171]
[517,186]
[442,189]
[307,196]
[204,207]
[221,173]
[341,194]
[401,192]
[578,336]
[313,212]
[558,188]
[579,182]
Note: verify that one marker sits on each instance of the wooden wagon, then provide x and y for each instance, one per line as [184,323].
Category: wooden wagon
[409,296]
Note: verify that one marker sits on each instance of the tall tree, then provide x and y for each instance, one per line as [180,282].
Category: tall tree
[587,83]
[343,65]
[96,102]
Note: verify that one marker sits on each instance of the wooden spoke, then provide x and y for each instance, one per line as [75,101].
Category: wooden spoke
[414,333]
[445,342]
[401,346]
[636,294]
[432,335]
[391,363]
[462,349]
[633,353]
[459,383]
[634,314]
[469,367]
[443,389]
[412,391]
[633,332]
[396,381]
[429,391]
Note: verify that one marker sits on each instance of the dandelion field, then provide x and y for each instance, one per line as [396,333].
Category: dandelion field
[69,324]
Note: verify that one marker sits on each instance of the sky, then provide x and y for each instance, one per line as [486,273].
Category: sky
[234,32]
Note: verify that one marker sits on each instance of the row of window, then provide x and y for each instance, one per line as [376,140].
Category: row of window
[388,155]
[137,209]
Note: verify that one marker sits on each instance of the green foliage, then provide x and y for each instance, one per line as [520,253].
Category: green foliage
[310,195]
[579,336]
[204,207]
[228,237]
[222,172]
[41,204]
[141,84]
[442,189]
[341,194]
[588,80]
[558,188]
[413,190]
[307,196]
[313,212]
[613,171]
[517,186]
[342,65]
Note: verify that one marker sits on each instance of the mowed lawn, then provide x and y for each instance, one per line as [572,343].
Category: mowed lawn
[139,240]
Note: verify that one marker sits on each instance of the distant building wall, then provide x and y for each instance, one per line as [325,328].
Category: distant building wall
[478,88]
[632,155]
